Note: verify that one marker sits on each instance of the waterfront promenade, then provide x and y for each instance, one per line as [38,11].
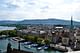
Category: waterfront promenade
[61,48]
[73,52]
[21,51]
[14,44]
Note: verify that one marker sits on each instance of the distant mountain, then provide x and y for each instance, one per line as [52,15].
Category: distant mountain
[41,21]
[8,22]
[49,21]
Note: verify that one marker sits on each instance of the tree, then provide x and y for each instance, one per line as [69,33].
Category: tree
[35,39]
[9,49]
[39,40]
[12,33]
[31,38]
[47,41]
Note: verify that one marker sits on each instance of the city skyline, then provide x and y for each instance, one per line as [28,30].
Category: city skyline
[39,9]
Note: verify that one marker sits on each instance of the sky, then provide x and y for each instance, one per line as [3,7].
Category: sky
[39,9]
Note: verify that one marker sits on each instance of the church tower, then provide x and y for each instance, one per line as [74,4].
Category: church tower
[71,25]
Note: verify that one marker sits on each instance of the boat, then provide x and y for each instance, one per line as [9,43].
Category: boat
[34,45]
[42,46]
[45,47]
[27,43]
[39,48]
[27,46]
[14,39]
[17,39]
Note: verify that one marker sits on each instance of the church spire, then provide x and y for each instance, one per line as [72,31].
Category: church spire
[71,24]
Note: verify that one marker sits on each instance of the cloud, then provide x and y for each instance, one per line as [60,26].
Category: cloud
[39,9]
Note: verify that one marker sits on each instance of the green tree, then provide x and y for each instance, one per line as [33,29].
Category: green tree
[47,41]
[31,38]
[12,33]
[35,39]
[39,40]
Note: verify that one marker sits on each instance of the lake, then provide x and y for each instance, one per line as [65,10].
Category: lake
[6,28]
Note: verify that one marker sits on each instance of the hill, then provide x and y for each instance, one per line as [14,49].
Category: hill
[41,21]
